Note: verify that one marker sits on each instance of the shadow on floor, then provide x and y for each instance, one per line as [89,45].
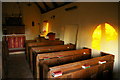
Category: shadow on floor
[18,67]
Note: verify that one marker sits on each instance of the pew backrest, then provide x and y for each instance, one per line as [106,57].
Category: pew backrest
[35,44]
[91,61]
[40,50]
[66,53]
[79,64]
[63,57]
[92,72]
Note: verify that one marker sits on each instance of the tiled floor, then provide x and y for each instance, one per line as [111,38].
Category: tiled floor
[18,67]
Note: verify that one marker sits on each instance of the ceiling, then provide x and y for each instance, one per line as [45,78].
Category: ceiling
[48,6]
[44,7]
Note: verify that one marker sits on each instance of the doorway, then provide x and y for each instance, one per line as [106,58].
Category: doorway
[70,34]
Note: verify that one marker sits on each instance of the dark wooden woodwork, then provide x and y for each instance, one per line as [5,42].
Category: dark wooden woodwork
[74,70]
[5,55]
[41,39]
[13,29]
[55,4]
[29,41]
[95,72]
[67,56]
[38,44]
[41,9]
[34,51]
[46,6]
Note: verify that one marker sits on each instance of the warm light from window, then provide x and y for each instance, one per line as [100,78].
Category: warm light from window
[45,29]
[110,32]
[96,38]
[47,26]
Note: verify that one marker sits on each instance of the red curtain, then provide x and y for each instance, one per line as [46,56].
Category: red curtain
[15,41]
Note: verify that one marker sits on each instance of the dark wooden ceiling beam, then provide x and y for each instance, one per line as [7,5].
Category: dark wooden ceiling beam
[65,3]
[41,9]
[55,4]
[46,6]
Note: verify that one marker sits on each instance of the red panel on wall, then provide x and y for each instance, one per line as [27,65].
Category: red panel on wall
[15,41]
[21,41]
[11,42]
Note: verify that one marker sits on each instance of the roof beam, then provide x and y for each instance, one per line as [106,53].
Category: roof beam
[65,3]
[55,4]
[41,9]
[46,6]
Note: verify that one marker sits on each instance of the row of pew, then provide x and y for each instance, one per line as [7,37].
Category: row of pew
[56,60]
[8,41]
[5,57]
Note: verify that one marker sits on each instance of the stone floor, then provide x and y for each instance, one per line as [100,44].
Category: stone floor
[18,67]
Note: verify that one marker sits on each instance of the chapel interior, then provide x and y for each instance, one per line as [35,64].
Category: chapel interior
[60,40]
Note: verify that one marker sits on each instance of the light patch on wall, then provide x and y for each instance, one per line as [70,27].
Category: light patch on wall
[96,38]
[45,29]
[110,34]
[47,26]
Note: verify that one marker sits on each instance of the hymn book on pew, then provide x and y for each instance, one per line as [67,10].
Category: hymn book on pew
[85,66]
[102,62]
[57,73]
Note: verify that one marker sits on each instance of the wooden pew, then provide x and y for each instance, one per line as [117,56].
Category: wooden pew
[38,44]
[95,72]
[5,56]
[57,58]
[34,51]
[74,70]
[45,40]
